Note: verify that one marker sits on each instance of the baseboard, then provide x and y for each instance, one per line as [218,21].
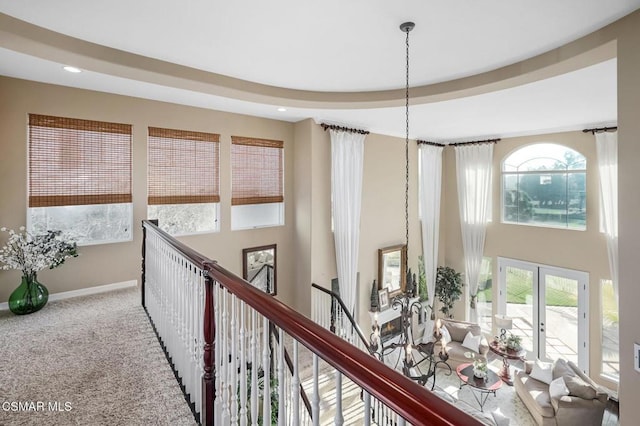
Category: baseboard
[83,292]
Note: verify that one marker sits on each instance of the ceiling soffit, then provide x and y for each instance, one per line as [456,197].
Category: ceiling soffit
[32,40]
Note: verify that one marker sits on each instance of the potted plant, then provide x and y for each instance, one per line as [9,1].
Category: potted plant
[422,280]
[513,342]
[31,254]
[448,288]
[480,368]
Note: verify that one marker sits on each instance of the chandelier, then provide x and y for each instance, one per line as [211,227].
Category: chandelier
[406,303]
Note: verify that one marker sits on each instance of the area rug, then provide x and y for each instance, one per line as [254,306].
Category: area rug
[505,399]
[91,360]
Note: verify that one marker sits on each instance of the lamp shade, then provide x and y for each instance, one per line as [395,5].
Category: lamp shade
[503,321]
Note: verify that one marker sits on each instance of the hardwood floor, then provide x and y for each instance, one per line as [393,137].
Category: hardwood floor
[610,417]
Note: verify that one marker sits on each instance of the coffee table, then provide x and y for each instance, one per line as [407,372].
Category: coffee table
[482,388]
[506,355]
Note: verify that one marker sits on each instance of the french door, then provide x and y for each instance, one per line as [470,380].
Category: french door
[548,306]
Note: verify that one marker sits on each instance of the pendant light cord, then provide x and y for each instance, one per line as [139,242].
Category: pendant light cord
[406,151]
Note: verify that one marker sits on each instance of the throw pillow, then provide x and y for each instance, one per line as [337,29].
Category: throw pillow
[557,388]
[471,342]
[562,369]
[542,371]
[578,387]
[499,418]
[446,337]
[456,330]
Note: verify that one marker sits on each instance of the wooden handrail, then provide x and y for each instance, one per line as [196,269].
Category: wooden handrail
[411,401]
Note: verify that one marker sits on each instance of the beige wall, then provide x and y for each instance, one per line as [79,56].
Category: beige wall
[382,221]
[303,163]
[578,250]
[110,263]
[629,206]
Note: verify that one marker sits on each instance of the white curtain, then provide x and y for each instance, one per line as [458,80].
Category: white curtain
[347,155]
[430,190]
[474,166]
[607,149]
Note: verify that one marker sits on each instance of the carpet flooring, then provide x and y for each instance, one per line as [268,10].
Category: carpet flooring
[91,360]
[505,399]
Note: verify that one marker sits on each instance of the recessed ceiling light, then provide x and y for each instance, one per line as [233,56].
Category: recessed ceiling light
[282,109]
[72,69]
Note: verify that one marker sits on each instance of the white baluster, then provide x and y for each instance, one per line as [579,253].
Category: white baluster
[226,414]
[315,406]
[218,353]
[243,367]
[295,386]
[367,408]
[338,419]
[281,383]
[233,362]
[254,368]
[266,378]
[198,316]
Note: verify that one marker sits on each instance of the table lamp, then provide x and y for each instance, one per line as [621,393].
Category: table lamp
[504,323]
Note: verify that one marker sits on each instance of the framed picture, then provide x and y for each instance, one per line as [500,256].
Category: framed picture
[259,267]
[383,299]
[391,269]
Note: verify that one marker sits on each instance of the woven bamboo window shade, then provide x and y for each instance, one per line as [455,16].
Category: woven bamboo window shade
[78,162]
[183,167]
[257,171]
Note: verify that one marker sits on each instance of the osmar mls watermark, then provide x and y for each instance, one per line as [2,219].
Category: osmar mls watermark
[35,406]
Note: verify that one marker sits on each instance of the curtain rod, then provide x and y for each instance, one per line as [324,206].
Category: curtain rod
[344,129]
[475,142]
[420,142]
[600,130]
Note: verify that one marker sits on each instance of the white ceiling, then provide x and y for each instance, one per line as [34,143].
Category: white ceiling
[346,47]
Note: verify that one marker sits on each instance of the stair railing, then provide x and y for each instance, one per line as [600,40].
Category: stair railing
[340,321]
[216,330]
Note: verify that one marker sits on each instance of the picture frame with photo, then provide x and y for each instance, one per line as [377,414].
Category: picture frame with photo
[259,267]
[383,299]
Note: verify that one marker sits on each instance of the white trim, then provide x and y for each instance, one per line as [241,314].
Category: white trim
[83,292]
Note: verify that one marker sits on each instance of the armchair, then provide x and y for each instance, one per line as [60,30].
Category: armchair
[453,346]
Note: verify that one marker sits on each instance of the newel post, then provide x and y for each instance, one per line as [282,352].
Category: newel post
[208,384]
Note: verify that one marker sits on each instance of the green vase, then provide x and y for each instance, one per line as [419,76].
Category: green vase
[29,297]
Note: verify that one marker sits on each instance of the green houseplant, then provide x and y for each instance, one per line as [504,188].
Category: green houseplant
[448,288]
[422,280]
[513,342]
[30,254]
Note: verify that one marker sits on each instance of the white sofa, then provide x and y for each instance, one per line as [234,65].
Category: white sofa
[583,406]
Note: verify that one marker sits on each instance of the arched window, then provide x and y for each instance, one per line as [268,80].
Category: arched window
[545,185]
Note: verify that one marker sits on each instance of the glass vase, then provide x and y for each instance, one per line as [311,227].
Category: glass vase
[29,297]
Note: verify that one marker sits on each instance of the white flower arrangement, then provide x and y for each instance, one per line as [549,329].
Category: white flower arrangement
[32,253]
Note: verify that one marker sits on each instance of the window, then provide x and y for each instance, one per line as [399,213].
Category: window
[544,185]
[80,179]
[183,181]
[257,174]
[610,332]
